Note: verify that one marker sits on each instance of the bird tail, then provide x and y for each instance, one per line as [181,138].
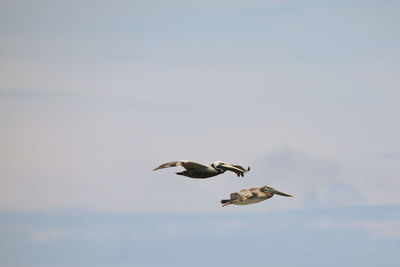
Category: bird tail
[234,198]
[226,202]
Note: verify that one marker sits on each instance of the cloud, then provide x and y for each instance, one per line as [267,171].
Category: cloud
[93,98]
[287,165]
[340,194]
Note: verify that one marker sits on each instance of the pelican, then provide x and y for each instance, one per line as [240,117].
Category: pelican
[201,171]
[252,195]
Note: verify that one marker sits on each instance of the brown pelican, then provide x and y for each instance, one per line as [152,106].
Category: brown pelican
[197,170]
[252,195]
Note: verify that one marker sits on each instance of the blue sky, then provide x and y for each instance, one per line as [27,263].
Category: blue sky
[95,94]
[351,236]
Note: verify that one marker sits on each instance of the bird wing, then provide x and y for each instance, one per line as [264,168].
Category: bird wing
[245,194]
[239,170]
[187,164]
[237,197]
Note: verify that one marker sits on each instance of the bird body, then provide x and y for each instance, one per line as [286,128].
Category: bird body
[252,196]
[202,171]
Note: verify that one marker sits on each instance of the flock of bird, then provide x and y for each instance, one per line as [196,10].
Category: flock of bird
[202,171]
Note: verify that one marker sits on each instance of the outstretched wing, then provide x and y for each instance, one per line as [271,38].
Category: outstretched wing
[187,164]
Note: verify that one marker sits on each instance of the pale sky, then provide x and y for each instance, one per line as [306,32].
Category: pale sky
[95,94]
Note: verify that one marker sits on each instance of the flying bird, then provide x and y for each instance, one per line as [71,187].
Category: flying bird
[201,171]
[252,195]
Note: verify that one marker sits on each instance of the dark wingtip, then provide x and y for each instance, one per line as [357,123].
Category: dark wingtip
[248,169]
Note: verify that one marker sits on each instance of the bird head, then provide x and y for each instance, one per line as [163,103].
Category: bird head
[270,190]
[219,165]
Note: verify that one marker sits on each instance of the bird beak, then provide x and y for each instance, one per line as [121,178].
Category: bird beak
[228,167]
[282,194]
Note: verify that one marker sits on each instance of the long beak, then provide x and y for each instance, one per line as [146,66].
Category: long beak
[232,168]
[282,194]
